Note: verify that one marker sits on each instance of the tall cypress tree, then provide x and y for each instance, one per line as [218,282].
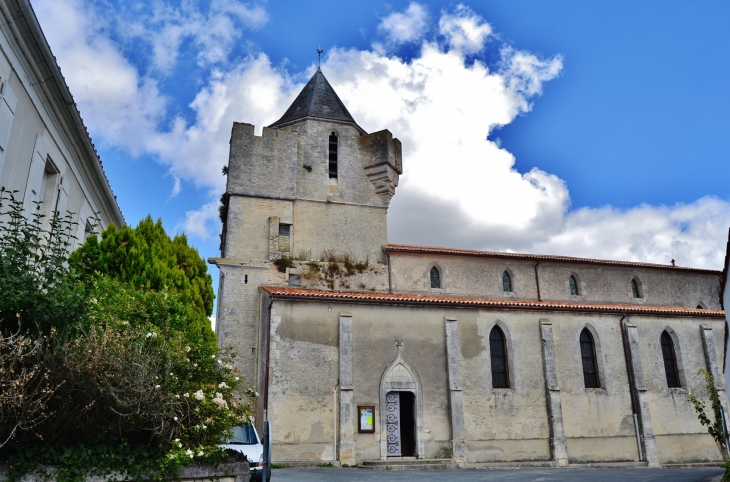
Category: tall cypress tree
[147,258]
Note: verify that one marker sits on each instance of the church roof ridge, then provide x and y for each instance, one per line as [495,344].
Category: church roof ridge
[317,100]
[287,292]
[408,248]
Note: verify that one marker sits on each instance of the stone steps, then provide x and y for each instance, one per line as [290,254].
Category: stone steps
[408,464]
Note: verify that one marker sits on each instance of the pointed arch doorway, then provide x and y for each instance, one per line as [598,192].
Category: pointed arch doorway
[401,416]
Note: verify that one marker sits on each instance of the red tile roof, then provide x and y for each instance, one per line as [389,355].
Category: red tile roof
[407,248]
[305,294]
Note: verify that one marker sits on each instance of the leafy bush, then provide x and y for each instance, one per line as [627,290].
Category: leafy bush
[38,290]
[102,368]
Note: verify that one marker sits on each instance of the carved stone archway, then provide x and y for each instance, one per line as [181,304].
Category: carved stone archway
[401,376]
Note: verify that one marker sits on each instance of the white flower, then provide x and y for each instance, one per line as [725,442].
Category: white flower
[200,454]
[189,453]
[176,419]
[257,394]
[177,396]
[148,335]
[222,385]
[220,362]
[218,395]
[172,375]
[204,427]
[237,378]
[157,386]
[220,402]
[212,356]
[176,440]
[186,395]
[187,349]
[195,364]
[199,395]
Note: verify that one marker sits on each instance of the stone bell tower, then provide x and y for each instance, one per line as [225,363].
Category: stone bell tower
[313,182]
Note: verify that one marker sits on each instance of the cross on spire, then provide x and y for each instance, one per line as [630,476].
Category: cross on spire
[319,56]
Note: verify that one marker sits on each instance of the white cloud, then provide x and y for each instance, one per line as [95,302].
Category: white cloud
[464,30]
[201,222]
[459,189]
[113,98]
[407,26]
[213,32]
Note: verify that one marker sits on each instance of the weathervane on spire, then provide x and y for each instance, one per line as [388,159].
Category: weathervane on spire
[319,56]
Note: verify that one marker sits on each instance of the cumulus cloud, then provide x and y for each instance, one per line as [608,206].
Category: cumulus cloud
[407,26]
[201,222]
[212,32]
[464,30]
[114,99]
[459,189]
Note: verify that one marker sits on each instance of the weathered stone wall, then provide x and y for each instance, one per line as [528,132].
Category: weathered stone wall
[482,277]
[498,424]
[347,214]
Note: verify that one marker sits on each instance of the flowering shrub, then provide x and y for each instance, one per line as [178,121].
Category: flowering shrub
[94,372]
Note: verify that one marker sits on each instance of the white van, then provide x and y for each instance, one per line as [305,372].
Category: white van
[246,441]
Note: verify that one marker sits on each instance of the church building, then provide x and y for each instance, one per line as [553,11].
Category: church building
[364,351]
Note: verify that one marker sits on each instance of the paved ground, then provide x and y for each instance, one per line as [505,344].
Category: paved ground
[592,475]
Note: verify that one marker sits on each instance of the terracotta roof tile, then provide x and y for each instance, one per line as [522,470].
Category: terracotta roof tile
[407,248]
[288,292]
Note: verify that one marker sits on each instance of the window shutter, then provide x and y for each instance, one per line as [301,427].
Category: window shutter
[8,103]
[34,187]
[84,214]
[63,189]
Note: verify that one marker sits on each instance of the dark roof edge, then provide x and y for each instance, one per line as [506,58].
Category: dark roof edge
[409,249]
[45,49]
[275,292]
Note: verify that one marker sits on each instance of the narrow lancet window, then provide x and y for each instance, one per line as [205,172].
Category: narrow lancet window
[635,291]
[506,282]
[498,352]
[435,278]
[670,361]
[573,285]
[588,354]
[333,156]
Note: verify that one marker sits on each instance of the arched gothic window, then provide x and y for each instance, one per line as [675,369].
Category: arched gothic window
[573,285]
[435,278]
[670,360]
[333,156]
[588,354]
[506,282]
[498,351]
[635,290]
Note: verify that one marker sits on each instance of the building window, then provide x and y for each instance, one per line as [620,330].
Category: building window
[670,360]
[333,156]
[435,278]
[588,354]
[573,285]
[498,352]
[284,237]
[635,289]
[506,282]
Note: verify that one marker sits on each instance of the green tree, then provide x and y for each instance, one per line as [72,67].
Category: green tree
[146,258]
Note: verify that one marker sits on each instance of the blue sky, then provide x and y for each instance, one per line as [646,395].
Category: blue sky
[567,127]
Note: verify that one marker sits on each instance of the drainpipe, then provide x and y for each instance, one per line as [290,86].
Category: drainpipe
[334,413]
[537,281]
[390,284]
[266,369]
[632,393]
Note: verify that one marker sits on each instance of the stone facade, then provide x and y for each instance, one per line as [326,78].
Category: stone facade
[327,317]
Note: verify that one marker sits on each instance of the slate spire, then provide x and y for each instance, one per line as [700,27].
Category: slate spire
[316,100]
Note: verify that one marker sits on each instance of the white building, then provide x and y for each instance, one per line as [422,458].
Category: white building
[46,154]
